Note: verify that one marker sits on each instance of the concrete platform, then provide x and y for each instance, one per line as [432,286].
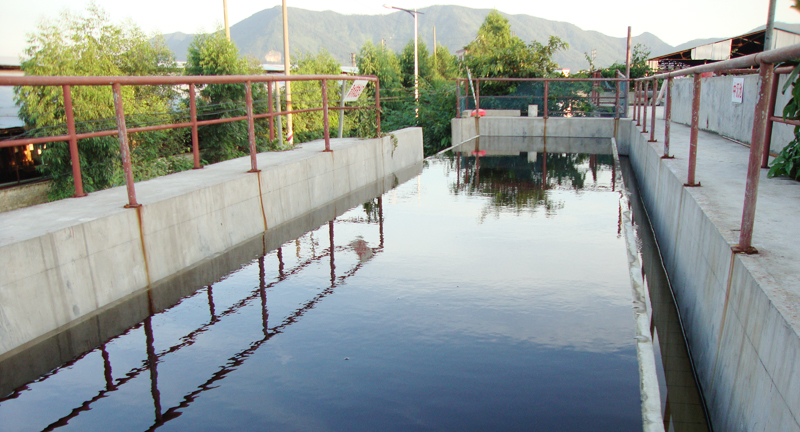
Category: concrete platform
[741,312]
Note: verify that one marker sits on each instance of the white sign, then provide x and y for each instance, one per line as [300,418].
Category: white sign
[356,90]
[738,90]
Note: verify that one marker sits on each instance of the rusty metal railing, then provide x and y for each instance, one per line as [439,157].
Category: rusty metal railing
[116,82]
[548,98]
[762,124]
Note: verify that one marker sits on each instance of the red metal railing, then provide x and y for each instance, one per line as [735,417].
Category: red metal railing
[762,124]
[116,82]
[593,95]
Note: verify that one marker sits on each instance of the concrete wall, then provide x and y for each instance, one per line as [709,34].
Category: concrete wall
[64,260]
[33,359]
[719,115]
[464,129]
[744,349]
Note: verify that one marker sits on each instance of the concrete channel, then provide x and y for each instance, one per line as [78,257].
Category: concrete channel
[741,312]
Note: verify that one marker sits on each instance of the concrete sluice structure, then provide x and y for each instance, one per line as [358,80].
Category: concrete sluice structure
[741,313]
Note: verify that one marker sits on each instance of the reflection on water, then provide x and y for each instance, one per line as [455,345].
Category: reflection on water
[417,310]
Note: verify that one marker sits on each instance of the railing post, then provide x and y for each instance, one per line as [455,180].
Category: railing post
[378,107]
[251,132]
[616,100]
[458,97]
[269,110]
[695,131]
[325,121]
[193,118]
[125,152]
[636,116]
[653,113]
[667,116]
[760,121]
[73,143]
[477,94]
[546,96]
[645,84]
[773,95]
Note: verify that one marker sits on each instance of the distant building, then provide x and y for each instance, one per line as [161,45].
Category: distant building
[737,46]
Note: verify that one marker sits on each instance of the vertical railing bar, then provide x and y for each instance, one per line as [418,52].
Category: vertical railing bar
[125,153]
[760,120]
[667,116]
[653,113]
[644,106]
[251,132]
[325,120]
[477,94]
[636,102]
[616,101]
[378,108]
[73,143]
[546,96]
[269,110]
[773,95]
[458,97]
[193,117]
[695,130]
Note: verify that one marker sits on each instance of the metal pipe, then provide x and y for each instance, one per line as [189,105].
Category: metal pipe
[73,143]
[773,96]
[269,111]
[125,153]
[546,96]
[325,120]
[165,80]
[667,117]
[653,114]
[193,118]
[636,102]
[753,166]
[341,112]
[378,108]
[458,97]
[645,84]
[251,132]
[695,130]
[616,101]
[477,93]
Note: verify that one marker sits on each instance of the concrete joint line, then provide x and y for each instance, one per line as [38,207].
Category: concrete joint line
[140,218]
[724,315]
[261,199]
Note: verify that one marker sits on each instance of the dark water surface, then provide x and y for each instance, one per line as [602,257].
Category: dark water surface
[491,292]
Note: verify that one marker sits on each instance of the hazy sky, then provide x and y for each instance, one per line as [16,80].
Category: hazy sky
[675,22]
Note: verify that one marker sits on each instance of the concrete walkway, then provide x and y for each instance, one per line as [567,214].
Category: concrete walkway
[722,172]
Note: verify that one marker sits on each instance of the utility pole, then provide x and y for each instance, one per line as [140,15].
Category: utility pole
[769,36]
[287,72]
[227,27]
[353,59]
[628,56]
[413,13]
[435,64]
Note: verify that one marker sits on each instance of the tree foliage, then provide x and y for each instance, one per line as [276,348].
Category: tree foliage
[639,68]
[496,53]
[308,94]
[425,63]
[91,45]
[214,54]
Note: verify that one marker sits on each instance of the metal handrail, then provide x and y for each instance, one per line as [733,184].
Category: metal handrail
[116,82]
[763,121]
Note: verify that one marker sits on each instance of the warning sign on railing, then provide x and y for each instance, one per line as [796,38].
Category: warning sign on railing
[738,90]
[356,90]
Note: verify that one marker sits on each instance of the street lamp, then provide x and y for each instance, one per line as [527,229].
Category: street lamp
[413,13]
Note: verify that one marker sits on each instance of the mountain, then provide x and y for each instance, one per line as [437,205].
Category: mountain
[456,26]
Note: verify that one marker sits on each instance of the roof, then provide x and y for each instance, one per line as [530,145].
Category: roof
[737,46]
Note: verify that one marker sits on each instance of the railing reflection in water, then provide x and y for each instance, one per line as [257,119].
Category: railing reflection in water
[365,252]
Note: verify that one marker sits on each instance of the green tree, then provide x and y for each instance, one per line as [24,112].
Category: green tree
[496,53]
[639,68]
[445,64]
[381,62]
[424,60]
[90,45]
[214,54]
[308,94]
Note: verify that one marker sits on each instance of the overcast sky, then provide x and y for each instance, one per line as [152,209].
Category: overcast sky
[675,22]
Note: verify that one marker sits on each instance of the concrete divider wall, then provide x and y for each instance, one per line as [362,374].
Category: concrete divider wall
[744,348]
[64,260]
[465,128]
[720,115]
